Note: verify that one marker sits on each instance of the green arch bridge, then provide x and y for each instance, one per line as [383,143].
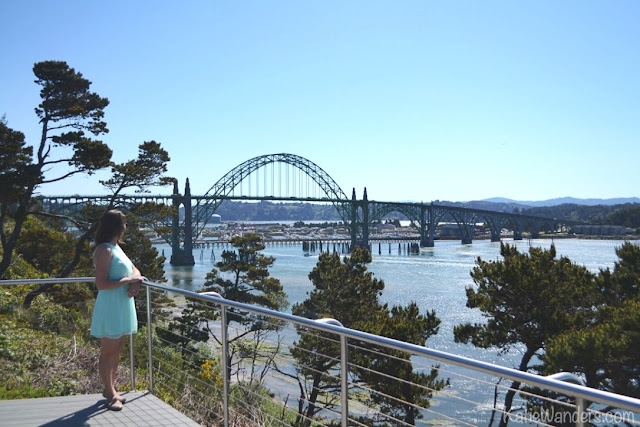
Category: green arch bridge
[288,177]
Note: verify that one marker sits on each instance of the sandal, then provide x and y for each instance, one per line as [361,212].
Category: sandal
[114,405]
[122,400]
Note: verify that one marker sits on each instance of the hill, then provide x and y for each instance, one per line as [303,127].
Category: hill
[565,200]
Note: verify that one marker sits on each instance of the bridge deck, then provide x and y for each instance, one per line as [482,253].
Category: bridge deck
[141,409]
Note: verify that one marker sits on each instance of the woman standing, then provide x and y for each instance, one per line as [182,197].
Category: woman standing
[114,313]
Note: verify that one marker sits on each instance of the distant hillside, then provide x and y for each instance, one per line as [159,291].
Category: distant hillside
[627,214]
[566,200]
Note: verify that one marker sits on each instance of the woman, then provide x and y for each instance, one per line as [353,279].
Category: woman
[114,314]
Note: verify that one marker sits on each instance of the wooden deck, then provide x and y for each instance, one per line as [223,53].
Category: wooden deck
[141,409]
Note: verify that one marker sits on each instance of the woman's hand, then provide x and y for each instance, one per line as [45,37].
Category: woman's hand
[134,288]
[134,284]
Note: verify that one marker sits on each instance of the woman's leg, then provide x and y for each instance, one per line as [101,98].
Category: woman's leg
[109,351]
[116,363]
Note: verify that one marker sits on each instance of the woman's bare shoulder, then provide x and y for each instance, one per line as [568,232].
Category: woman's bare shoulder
[103,249]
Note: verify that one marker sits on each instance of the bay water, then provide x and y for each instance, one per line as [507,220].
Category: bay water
[435,279]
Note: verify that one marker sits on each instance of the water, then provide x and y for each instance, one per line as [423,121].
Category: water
[435,279]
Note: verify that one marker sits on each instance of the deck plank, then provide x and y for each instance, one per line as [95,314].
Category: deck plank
[141,409]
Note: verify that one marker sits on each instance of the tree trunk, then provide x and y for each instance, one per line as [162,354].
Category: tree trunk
[508,400]
[311,408]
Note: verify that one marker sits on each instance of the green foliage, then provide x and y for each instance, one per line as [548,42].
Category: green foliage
[626,215]
[66,98]
[67,110]
[37,363]
[528,299]
[346,291]
[607,352]
[624,282]
[145,171]
[185,331]
[21,269]
[54,318]
[142,253]
[400,398]
[243,276]
[15,161]
[343,291]
[48,247]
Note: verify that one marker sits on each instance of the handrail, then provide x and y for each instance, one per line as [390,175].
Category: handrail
[48,280]
[552,382]
[578,391]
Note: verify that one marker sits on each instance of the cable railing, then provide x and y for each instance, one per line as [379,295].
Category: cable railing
[230,363]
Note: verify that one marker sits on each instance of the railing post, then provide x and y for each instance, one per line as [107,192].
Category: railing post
[225,364]
[580,412]
[150,340]
[132,364]
[344,383]
[344,368]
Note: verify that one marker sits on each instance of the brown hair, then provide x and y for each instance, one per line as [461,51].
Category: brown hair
[111,224]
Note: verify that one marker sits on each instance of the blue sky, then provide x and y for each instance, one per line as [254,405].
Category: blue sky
[415,100]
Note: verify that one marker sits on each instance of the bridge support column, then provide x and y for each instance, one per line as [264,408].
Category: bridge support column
[353,227]
[535,230]
[359,227]
[466,227]
[182,256]
[518,227]
[427,227]
[365,220]
[175,220]
[496,228]
[466,234]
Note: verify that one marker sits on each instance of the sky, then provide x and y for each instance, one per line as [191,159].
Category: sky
[414,100]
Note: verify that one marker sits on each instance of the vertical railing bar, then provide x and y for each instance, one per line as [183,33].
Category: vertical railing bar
[225,364]
[344,386]
[580,412]
[150,340]
[132,364]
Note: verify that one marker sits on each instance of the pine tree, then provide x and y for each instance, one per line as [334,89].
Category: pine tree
[68,110]
[527,299]
[243,276]
[347,292]
[607,353]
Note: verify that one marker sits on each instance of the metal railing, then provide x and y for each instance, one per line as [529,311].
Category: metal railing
[582,403]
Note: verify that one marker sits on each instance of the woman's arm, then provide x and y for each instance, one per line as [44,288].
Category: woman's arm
[102,259]
[134,288]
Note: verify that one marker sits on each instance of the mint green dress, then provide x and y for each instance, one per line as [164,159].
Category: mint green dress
[114,313]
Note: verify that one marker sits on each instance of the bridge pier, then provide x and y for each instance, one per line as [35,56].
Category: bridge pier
[427,227]
[182,256]
[467,225]
[495,228]
[359,227]
[535,230]
[518,228]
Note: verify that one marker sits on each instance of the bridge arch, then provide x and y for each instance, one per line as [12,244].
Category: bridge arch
[226,185]
[381,210]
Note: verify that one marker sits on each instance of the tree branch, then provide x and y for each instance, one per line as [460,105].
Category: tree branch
[77,223]
[53,162]
[48,181]
[43,141]
[60,127]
